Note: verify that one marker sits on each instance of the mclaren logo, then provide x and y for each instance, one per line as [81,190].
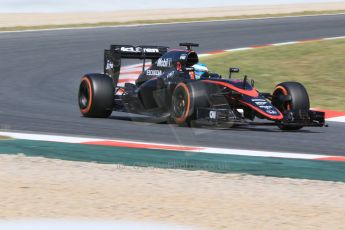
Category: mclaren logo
[139,50]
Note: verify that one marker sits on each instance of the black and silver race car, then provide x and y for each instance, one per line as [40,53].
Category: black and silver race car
[169,89]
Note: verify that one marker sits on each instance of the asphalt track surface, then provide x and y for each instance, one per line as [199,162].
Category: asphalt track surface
[40,74]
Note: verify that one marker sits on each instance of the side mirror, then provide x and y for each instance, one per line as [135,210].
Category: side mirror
[233,70]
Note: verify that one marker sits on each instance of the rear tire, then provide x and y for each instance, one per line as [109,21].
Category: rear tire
[299,100]
[96,96]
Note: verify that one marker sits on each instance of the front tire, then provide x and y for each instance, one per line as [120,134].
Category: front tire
[299,99]
[96,96]
[186,98]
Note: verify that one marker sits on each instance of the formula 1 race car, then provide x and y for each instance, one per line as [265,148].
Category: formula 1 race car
[169,89]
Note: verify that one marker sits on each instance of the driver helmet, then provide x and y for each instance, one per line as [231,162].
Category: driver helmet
[200,69]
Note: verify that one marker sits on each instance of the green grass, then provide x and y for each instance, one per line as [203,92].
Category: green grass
[319,66]
[138,22]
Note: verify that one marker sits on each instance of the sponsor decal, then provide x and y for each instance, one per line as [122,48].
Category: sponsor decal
[109,65]
[258,99]
[183,57]
[153,72]
[213,114]
[273,112]
[164,62]
[266,107]
[259,103]
[171,74]
[139,50]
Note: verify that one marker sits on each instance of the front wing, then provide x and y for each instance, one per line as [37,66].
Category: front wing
[219,116]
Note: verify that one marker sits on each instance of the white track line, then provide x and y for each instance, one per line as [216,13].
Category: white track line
[238,49]
[284,43]
[160,146]
[337,119]
[273,44]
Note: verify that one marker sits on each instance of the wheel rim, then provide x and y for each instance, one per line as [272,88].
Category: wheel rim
[179,104]
[281,106]
[84,96]
[284,106]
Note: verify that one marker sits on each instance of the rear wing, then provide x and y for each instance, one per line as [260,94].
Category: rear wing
[139,52]
[113,56]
